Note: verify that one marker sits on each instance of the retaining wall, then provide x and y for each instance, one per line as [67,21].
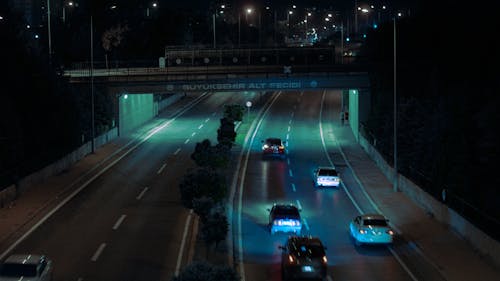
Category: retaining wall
[478,239]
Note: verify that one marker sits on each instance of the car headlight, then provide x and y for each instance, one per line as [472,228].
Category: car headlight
[265,146]
[362,231]
[325,260]
[390,232]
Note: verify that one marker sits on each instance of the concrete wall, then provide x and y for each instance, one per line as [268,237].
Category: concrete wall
[478,239]
[9,194]
[134,110]
[354,112]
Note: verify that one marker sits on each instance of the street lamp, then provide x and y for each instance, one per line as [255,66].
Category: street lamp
[288,23]
[247,12]
[395,147]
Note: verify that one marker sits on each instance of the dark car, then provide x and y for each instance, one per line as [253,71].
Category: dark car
[303,257]
[284,218]
[273,147]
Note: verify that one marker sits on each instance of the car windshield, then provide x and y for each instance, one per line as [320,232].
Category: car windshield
[327,172]
[273,141]
[17,270]
[309,250]
[286,212]
[375,222]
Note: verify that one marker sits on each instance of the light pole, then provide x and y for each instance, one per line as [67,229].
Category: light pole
[48,28]
[395,152]
[247,12]
[288,23]
[92,80]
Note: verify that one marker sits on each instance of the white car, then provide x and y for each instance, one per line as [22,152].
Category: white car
[27,268]
[326,176]
[371,229]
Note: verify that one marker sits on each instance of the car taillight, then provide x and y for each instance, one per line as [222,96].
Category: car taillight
[291,259]
[325,260]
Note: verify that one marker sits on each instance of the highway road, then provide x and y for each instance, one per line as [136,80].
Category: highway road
[128,223]
[305,120]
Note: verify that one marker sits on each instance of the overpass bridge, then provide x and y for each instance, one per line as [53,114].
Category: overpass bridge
[231,70]
[305,68]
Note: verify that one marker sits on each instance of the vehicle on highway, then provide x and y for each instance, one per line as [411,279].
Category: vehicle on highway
[326,177]
[371,229]
[26,267]
[284,218]
[303,257]
[273,147]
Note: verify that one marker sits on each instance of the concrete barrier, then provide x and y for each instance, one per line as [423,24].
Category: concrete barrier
[478,239]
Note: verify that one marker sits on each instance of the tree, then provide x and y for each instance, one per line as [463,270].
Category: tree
[226,134]
[206,155]
[112,38]
[215,228]
[202,207]
[234,112]
[202,182]
[204,271]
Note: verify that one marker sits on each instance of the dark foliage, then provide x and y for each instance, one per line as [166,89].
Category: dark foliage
[204,271]
[202,182]
[214,229]
[226,134]
[234,112]
[447,95]
[206,155]
[202,207]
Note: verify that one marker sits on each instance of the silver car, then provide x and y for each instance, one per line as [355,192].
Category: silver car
[27,268]
[326,176]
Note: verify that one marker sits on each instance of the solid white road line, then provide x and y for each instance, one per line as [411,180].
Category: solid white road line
[177,151]
[161,168]
[118,222]
[396,256]
[305,223]
[101,171]
[98,252]
[293,187]
[183,242]
[298,204]
[142,193]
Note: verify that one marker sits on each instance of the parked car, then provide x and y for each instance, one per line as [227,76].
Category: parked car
[303,257]
[26,267]
[273,147]
[326,177]
[284,218]
[371,229]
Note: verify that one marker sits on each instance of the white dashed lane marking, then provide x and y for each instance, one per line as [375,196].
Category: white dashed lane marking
[161,168]
[177,151]
[186,141]
[98,252]
[194,133]
[293,187]
[142,193]
[206,120]
[118,222]
[201,126]
[290,172]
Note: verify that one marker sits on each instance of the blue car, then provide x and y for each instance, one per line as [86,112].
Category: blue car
[284,218]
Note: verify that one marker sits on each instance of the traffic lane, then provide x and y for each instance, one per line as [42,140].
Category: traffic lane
[75,233]
[273,270]
[402,249]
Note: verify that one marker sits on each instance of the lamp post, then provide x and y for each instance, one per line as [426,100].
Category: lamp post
[247,12]
[288,23]
[92,80]
[395,152]
[48,30]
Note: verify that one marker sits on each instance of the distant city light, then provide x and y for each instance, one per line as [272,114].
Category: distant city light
[267,8]
[383,7]
[375,26]
[113,7]
[222,6]
[327,19]
[348,39]
[373,7]
[290,12]
[364,35]
[155,4]
[36,36]
[399,14]
[294,6]
[249,10]
[70,3]
[364,10]
[28,26]
[329,15]
[309,14]
[125,96]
